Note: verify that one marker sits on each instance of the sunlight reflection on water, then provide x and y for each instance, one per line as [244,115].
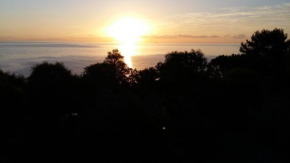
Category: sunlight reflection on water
[18,57]
[128,50]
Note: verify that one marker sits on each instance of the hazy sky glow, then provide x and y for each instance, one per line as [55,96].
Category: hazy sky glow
[228,21]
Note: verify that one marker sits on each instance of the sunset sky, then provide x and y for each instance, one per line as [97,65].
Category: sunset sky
[210,21]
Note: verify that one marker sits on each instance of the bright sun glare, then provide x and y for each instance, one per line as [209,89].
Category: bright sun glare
[127,32]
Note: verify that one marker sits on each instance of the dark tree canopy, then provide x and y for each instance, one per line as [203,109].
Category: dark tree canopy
[49,87]
[182,63]
[267,43]
[112,71]
[191,61]
[219,66]
[183,71]
[147,78]
[12,88]
[267,51]
[11,82]
[114,57]
[50,73]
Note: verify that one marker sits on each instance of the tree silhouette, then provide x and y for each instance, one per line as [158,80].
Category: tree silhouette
[46,73]
[183,71]
[113,71]
[192,61]
[219,66]
[267,44]
[267,52]
[114,57]
[147,78]
[49,88]
[13,96]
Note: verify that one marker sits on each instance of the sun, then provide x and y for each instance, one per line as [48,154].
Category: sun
[128,30]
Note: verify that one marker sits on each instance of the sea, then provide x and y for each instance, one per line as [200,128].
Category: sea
[19,57]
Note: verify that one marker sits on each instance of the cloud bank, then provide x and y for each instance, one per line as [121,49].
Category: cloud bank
[239,36]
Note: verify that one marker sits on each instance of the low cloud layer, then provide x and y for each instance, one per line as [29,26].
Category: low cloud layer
[239,36]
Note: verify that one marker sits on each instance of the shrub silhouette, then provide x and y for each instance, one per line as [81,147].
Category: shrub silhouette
[13,99]
[11,84]
[49,86]
[12,94]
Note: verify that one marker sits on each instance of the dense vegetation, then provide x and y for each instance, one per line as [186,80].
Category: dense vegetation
[186,109]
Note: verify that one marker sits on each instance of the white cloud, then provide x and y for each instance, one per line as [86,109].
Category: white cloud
[228,21]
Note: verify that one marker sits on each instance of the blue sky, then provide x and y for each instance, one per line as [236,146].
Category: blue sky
[172,20]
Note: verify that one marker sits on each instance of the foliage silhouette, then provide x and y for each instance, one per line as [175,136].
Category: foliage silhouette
[219,66]
[267,53]
[147,78]
[113,71]
[267,44]
[233,109]
[13,99]
[49,88]
[183,71]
